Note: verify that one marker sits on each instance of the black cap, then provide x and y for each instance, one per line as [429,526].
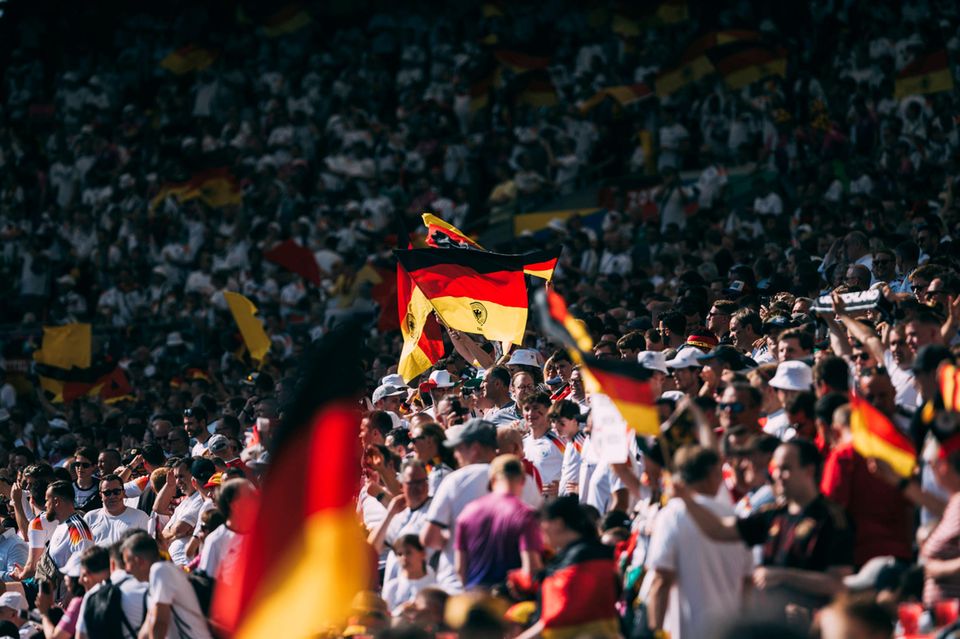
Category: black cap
[202,469]
[929,357]
[728,355]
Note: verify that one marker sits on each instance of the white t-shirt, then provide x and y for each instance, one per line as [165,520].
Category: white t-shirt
[170,585]
[709,574]
[400,590]
[70,537]
[133,602]
[221,550]
[188,511]
[902,380]
[406,522]
[778,423]
[199,449]
[460,488]
[570,471]
[107,529]
[546,453]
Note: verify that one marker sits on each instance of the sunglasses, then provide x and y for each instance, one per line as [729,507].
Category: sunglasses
[418,438]
[733,407]
[112,492]
[82,465]
[862,357]
[188,412]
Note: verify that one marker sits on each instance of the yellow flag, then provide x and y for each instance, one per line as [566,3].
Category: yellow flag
[65,346]
[244,313]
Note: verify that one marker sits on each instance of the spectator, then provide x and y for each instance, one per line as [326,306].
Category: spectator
[172,601]
[72,535]
[221,548]
[498,533]
[109,522]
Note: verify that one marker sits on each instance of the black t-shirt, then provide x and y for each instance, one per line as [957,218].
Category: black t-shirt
[817,538]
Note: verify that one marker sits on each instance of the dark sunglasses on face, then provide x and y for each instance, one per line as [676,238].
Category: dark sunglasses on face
[82,465]
[188,412]
[862,357]
[111,492]
[733,407]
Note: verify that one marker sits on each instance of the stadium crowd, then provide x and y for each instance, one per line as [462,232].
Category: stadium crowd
[490,508]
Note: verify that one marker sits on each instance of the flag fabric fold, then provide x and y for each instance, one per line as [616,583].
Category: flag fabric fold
[305,557]
[949,379]
[927,74]
[624,382]
[422,339]
[188,59]
[298,579]
[472,291]
[217,188]
[244,314]
[295,258]
[874,435]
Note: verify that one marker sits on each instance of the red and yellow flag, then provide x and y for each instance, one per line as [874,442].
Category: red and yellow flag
[741,68]
[926,74]
[306,557]
[472,291]
[188,59]
[874,435]
[422,340]
[441,234]
[295,258]
[289,19]
[949,379]
[216,188]
[624,382]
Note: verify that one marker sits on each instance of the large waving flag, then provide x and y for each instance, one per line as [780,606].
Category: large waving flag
[305,558]
[949,378]
[695,63]
[66,370]
[874,435]
[422,340]
[244,314]
[217,188]
[472,291]
[442,234]
[624,382]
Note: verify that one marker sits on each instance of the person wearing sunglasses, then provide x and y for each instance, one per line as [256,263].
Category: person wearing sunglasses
[740,405]
[110,522]
[86,491]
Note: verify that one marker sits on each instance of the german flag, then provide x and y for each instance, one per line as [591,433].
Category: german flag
[251,329]
[694,64]
[305,557]
[624,95]
[295,258]
[949,378]
[520,62]
[289,19]
[441,234]
[216,188]
[624,382]
[422,340]
[579,593]
[742,66]
[537,90]
[926,74]
[874,435]
[188,59]
[472,291]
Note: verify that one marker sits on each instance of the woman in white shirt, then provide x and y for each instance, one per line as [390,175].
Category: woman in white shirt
[413,577]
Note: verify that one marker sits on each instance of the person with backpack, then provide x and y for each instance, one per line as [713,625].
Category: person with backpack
[118,606]
[174,609]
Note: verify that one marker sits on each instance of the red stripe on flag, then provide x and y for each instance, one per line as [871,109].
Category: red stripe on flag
[506,288]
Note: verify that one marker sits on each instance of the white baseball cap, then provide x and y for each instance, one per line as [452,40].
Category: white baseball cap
[15,600]
[653,361]
[686,358]
[524,357]
[442,379]
[793,376]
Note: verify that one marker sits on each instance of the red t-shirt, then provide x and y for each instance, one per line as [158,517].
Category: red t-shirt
[881,515]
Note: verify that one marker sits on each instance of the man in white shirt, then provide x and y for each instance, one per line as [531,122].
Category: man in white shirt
[474,445]
[109,523]
[71,536]
[180,528]
[173,608]
[195,423]
[133,595]
[219,555]
[694,581]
